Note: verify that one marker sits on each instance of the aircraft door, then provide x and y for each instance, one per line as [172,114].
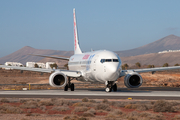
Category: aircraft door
[94,64]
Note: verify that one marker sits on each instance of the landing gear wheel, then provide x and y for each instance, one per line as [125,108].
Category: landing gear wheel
[66,88]
[114,87]
[72,87]
[108,89]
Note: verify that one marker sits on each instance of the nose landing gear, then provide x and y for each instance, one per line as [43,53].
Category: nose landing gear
[69,85]
[110,85]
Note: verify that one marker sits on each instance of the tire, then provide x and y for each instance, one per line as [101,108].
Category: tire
[72,87]
[66,88]
[108,89]
[114,87]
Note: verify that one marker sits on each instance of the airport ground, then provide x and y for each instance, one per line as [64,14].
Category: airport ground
[88,108]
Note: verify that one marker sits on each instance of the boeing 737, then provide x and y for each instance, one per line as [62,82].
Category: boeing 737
[96,66]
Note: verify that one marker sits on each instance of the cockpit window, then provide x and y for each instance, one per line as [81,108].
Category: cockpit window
[115,60]
[109,60]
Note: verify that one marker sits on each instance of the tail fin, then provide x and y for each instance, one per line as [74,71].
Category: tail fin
[77,49]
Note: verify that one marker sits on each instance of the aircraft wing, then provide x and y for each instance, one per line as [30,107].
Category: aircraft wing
[68,73]
[124,72]
[62,58]
[28,69]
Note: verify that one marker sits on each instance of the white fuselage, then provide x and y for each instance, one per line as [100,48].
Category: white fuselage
[96,66]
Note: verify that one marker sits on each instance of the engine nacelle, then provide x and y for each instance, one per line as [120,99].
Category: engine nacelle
[133,80]
[58,79]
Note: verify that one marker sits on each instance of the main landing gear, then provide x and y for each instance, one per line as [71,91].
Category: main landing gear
[110,85]
[69,85]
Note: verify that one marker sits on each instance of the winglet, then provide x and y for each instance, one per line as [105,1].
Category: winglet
[77,49]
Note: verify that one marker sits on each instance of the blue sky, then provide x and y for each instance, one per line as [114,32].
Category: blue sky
[102,24]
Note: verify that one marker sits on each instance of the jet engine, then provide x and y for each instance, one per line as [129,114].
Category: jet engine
[133,80]
[58,79]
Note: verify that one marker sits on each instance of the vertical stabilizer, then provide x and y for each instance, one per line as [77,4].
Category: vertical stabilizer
[77,49]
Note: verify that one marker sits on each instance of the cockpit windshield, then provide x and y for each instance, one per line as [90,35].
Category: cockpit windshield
[109,60]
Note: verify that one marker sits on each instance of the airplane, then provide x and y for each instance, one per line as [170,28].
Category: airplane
[96,66]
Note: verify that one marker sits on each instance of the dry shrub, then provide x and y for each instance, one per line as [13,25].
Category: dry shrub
[85,104]
[82,118]
[23,101]
[33,114]
[43,108]
[92,110]
[29,104]
[103,106]
[61,102]
[45,103]
[142,107]
[80,109]
[133,116]
[131,106]
[62,108]
[71,117]
[144,114]
[85,99]
[114,114]
[4,100]
[105,101]
[117,112]
[92,101]
[176,117]
[118,104]
[156,117]
[163,106]
[88,114]
[6,109]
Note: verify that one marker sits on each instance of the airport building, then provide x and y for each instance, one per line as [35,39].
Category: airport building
[30,64]
[48,65]
[41,65]
[14,64]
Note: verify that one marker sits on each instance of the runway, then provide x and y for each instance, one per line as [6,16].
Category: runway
[152,93]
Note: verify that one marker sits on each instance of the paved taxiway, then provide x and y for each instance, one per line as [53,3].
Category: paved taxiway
[139,93]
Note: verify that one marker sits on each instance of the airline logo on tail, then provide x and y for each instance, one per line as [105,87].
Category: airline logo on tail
[75,34]
[77,49]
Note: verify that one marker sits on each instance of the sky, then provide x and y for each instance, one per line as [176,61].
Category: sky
[114,25]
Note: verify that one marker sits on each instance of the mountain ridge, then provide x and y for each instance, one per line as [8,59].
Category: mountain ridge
[170,42]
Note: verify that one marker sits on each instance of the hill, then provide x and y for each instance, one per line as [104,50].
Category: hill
[23,57]
[153,59]
[170,42]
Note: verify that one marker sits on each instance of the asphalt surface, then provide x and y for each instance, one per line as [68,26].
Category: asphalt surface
[149,93]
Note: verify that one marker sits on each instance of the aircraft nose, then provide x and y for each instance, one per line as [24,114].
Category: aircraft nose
[112,73]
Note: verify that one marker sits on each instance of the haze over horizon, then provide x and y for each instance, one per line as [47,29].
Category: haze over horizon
[112,25]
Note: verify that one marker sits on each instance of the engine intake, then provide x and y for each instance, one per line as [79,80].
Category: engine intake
[133,80]
[58,79]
